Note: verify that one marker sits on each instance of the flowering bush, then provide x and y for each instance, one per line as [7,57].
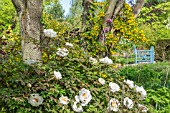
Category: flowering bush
[71,78]
[49,33]
[124,27]
[35,100]
[157,85]
[69,83]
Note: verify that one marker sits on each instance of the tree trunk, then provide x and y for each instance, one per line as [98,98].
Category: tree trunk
[137,7]
[29,12]
[86,12]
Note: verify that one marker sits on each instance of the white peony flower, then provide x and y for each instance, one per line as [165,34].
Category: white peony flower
[69,44]
[57,75]
[106,60]
[49,33]
[113,105]
[93,60]
[77,98]
[29,85]
[35,100]
[84,96]
[62,52]
[129,83]
[142,108]
[142,92]
[77,109]
[128,103]
[114,87]
[64,100]
[101,80]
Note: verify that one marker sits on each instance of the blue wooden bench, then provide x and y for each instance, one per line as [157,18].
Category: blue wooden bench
[144,55]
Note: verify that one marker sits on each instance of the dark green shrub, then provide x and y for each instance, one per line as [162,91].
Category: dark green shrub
[152,76]
[159,98]
[156,79]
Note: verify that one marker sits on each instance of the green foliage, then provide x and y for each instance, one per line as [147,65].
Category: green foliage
[159,98]
[75,14]
[7,14]
[54,8]
[59,26]
[125,29]
[153,20]
[157,74]
[156,79]
[19,80]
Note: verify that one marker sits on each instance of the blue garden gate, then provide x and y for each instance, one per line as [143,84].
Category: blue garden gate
[144,55]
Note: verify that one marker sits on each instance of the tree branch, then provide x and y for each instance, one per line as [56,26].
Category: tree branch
[86,7]
[137,8]
[110,10]
[118,7]
[18,4]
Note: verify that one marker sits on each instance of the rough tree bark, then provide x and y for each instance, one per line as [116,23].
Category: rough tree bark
[29,12]
[86,8]
[115,7]
[137,7]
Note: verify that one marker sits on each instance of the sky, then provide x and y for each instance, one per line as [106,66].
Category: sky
[67,4]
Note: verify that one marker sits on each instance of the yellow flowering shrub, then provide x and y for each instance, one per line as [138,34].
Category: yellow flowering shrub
[58,26]
[124,27]
[12,44]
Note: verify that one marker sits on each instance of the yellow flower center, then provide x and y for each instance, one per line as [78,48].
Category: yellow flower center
[64,99]
[113,104]
[35,100]
[84,95]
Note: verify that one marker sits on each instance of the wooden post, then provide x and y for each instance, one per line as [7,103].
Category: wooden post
[135,52]
[152,54]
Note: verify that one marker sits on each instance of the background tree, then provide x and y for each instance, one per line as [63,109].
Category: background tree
[74,16]
[29,12]
[54,8]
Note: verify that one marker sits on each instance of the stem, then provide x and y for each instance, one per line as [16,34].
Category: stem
[166,78]
[123,90]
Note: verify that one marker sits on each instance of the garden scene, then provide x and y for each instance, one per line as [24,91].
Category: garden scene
[103,56]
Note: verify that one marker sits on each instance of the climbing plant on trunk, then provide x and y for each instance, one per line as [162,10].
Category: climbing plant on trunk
[107,22]
[29,12]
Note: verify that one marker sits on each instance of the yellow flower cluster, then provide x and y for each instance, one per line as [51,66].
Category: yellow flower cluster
[59,27]
[12,46]
[44,57]
[126,26]
[101,4]
[101,14]
[127,7]
[103,75]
